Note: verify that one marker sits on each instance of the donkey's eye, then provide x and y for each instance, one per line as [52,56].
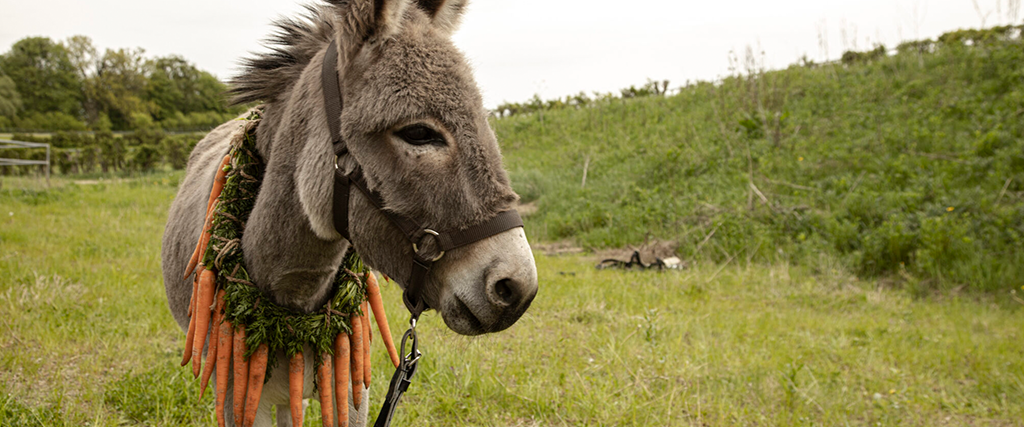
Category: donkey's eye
[420,135]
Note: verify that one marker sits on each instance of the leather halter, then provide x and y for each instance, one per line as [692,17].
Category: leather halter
[414,231]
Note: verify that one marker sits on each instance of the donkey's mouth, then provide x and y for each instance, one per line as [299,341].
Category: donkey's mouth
[459,318]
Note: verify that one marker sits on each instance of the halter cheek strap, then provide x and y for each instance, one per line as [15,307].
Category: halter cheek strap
[415,232]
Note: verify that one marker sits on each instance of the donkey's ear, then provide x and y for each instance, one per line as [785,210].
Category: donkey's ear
[370,19]
[444,14]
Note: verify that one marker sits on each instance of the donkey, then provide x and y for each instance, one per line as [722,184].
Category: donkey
[414,122]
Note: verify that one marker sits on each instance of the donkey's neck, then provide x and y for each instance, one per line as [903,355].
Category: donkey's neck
[291,248]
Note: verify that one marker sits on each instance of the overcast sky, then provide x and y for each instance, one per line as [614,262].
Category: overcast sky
[522,47]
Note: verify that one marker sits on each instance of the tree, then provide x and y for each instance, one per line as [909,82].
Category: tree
[84,58]
[175,85]
[119,85]
[44,76]
[10,99]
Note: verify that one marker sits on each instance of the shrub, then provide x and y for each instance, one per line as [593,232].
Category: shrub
[178,147]
[144,158]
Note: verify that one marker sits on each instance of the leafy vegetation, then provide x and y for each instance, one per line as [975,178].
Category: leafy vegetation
[907,166]
[69,85]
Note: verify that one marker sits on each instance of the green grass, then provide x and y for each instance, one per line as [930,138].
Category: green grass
[86,338]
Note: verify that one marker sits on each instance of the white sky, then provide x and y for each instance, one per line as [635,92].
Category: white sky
[522,47]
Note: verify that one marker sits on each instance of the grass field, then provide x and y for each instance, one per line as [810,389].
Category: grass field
[86,338]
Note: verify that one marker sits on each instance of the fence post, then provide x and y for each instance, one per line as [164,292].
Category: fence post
[47,165]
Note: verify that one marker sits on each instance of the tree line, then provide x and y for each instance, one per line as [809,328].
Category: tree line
[69,85]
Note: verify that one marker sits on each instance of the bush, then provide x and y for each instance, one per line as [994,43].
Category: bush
[112,151]
[144,158]
[51,121]
[178,147]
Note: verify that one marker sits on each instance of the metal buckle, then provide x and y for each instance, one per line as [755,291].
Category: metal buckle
[414,355]
[416,249]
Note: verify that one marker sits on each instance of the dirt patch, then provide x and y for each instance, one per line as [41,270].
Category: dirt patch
[526,209]
[562,247]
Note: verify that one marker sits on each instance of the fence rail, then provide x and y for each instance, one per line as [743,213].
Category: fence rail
[6,143]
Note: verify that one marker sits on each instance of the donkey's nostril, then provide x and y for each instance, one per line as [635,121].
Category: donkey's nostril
[505,292]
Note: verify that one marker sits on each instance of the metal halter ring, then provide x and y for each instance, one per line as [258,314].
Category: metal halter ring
[416,249]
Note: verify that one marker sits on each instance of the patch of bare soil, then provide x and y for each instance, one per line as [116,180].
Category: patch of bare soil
[561,247]
[526,209]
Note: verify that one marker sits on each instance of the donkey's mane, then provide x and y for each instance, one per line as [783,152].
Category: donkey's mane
[266,76]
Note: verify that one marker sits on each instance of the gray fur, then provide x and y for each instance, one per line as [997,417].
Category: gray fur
[397,67]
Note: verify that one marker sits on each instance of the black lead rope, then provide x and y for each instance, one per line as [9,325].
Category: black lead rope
[402,378]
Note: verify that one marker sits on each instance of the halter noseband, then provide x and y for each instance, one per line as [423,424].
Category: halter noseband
[413,230]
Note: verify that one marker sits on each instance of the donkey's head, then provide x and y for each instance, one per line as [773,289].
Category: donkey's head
[413,121]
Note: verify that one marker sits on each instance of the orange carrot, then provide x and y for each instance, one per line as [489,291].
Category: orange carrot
[192,301]
[341,377]
[206,290]
[356,360]
[366,343]
[366,321]
[295,367]
[218,186]
[197,253]
[190,335]
[241,373]
[257,372]
[204,239]
[223,368]
[377,305]
[211,353]
[326,400]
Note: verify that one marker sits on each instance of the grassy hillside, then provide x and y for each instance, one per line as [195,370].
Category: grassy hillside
[905,165]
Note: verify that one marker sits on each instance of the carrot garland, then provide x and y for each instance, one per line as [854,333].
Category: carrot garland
[246,329]
[218,185]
